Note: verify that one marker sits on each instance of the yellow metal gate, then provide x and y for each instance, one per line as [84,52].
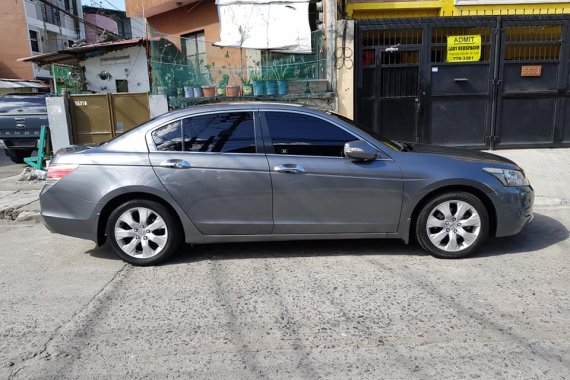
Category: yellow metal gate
[97,118]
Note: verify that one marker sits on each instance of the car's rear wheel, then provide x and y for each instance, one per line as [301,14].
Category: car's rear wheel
[452,225]
[143,232]
[17,156]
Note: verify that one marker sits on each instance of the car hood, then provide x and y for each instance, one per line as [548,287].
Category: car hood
[461,154]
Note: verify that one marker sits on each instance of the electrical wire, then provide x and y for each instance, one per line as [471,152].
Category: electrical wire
[80,19]
[117,8]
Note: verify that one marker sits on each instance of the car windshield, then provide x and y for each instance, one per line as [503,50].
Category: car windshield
[384,140]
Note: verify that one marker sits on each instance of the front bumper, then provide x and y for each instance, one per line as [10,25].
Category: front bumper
[514,209]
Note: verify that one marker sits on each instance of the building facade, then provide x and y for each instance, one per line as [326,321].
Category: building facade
[473,73]
[238,44]
[112,20]
[36,27]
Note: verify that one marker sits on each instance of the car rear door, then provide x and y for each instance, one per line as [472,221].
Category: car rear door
[317,190]
[211,166]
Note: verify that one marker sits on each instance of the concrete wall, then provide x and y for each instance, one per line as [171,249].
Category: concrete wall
[432,8]
[129,64]
[104,22]
[345,75]
[202,16]
[149,8]
[15,41]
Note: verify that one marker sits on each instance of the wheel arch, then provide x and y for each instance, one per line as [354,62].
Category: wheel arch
[489,206]
[125,197]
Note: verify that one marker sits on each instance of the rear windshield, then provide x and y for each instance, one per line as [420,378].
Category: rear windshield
[27,104]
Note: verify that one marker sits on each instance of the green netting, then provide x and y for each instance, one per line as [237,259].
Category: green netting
[67,79]
[181,63]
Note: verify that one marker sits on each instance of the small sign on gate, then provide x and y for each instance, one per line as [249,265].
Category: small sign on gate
[464,48]
[531,71]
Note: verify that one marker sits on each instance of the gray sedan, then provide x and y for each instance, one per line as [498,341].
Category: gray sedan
[267,172]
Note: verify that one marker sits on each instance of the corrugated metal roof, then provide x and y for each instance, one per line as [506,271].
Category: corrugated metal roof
[75,53]
[16,83]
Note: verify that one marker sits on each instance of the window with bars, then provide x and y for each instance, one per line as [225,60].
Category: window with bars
[194,47]
[50,14]
[34,41]
[392,37]
[533,43]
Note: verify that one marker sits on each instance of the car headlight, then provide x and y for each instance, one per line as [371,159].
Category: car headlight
[509,177]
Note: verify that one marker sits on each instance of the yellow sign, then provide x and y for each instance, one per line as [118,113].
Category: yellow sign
[464,48]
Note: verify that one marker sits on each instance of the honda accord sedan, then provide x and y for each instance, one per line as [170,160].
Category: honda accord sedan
[268,172]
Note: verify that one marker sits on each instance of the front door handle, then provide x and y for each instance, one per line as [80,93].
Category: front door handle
[176,164]
[289,168]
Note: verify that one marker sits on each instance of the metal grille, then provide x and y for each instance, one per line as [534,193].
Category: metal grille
[401,58]
[392,37]
[398,82]
[533,33]
[533,43]
[439,41]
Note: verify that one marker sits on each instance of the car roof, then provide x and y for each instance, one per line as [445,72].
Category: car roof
[224,106]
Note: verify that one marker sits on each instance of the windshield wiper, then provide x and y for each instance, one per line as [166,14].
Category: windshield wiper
[406,147]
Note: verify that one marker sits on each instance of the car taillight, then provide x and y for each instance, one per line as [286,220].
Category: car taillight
[57,172]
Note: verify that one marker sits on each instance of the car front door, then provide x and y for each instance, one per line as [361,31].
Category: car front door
[210,165]
[317,190]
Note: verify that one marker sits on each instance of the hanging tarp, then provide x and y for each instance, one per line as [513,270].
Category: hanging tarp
[265,24]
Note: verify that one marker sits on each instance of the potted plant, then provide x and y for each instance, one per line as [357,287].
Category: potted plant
[209,90]
[247,86]
[189,89]
[232,90]
[270,83]
[222,84]
[281,71]
[258,82]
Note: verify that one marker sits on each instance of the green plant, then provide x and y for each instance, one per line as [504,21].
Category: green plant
[104,75]
[209,67]
[281,69]
[255,74]
[224,81]
[244,80]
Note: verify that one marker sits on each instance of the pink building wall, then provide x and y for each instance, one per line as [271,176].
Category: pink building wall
[104,22]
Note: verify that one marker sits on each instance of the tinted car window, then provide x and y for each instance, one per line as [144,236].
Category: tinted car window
[297,134]
[27,104]
[168,137]
[230,132]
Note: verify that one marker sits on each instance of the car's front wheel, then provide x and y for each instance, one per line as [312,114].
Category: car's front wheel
[143,232]
[452,225]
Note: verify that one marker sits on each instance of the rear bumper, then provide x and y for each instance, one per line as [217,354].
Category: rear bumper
[514,209]
[19,144]
[67,214]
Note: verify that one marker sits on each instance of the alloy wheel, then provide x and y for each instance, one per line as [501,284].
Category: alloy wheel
[453,225]
[141,232]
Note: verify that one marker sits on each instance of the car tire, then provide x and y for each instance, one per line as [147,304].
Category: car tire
[17,156]
[143,232]
[452,225]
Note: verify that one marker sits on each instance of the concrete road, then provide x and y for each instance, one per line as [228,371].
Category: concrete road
[7,167]
[341,309]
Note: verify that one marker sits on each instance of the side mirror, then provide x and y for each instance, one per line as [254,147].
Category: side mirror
[360,151]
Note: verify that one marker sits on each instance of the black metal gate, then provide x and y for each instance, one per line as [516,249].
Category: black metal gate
[515,95]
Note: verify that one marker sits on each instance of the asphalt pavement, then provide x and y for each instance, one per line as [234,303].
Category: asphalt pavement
[367,309]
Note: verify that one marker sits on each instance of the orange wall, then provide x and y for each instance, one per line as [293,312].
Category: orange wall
[15,41]
[202,16]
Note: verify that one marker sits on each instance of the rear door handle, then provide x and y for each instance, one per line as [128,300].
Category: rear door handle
[176,164]
[289,168]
